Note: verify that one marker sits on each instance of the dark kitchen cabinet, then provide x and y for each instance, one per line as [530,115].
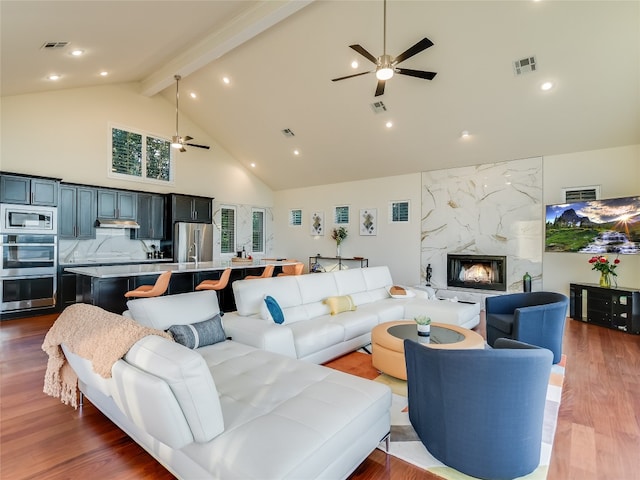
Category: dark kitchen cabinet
[150,213]
[77,212]
[28,190]
[115,204]
[186,208]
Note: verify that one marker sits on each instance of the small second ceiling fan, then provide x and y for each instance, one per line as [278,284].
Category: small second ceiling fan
[386,65]
[177,141]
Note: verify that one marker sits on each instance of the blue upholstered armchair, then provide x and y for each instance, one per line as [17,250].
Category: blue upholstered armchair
[537,318]
[480,411]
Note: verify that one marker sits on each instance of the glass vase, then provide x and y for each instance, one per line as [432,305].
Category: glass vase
[337,249]
[605,280]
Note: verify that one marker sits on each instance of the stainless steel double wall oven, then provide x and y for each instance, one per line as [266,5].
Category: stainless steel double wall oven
[29,257]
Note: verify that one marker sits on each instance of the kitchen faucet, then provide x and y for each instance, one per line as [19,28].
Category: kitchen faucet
[195,257]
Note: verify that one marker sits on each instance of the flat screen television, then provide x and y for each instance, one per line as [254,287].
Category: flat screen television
[594,227]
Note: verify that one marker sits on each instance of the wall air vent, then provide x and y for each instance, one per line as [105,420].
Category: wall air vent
[581,194]
[287,132]
[54,45]
[525,65]
[378,107]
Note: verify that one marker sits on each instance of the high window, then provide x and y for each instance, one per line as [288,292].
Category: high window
[140,156]
[341,215]
[399,212]
[295,217]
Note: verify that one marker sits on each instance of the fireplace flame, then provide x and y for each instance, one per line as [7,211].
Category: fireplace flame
[478,273]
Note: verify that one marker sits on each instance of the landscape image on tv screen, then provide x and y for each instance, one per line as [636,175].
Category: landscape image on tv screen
[595,227]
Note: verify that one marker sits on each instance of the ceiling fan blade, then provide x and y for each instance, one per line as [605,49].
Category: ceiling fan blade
[186,138]
[182,149]
[199,146]
[364,53]
[380,88]
[410,52]
[416,73]
[350,76]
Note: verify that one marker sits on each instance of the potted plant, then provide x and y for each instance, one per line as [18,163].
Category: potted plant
[423,323]
[339,234]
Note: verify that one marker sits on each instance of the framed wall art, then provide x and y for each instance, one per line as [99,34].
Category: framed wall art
[317,223]
[368,221]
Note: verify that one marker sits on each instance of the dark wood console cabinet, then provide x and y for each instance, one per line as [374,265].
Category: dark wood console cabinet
[617,308]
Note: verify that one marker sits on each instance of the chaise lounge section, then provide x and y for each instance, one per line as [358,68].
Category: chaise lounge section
[231,411]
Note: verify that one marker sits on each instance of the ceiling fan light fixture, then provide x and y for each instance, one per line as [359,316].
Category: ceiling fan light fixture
[384,71]
[176,142]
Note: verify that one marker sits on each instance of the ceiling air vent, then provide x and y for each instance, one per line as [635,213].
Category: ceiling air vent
[287,132]
[54,45]
[378,107]
[525,65]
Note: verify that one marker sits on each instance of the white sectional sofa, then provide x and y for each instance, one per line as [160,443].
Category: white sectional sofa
[231,411]
[310,332]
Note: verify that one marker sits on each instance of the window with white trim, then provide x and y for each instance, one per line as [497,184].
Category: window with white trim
[341,215]
[257,234]
[228,229]
[140,156]
[295,217]
[399,212]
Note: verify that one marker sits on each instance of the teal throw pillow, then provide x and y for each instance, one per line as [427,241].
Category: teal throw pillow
[207,332]
[274,309]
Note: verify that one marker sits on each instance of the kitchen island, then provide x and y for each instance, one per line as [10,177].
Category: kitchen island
[105,286]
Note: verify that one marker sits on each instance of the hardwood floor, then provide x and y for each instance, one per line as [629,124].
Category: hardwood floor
[598,434]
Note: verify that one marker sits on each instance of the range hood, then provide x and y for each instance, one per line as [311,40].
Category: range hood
[116,223]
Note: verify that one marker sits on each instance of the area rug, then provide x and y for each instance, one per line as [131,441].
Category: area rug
[406,445]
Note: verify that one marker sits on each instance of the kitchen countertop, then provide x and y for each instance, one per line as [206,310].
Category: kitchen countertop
[116,262]
[114,271]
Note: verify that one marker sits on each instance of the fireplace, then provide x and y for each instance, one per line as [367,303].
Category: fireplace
[484,272]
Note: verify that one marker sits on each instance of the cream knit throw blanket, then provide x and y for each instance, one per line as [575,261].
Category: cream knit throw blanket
[92,333]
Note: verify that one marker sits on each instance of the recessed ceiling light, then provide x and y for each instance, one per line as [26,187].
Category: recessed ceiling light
[389,124]
[253,165]
[354,64]
[77,52]
[104,73]
[54,76]
[226,80]
[465,134]
[193,95]
[296,152]
[546,86]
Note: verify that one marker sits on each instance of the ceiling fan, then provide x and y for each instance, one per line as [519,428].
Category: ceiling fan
[386,65]
[177,141]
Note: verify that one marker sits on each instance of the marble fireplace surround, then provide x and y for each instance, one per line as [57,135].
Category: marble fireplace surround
[489,209]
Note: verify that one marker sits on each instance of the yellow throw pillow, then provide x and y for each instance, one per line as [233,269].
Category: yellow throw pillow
[340,304]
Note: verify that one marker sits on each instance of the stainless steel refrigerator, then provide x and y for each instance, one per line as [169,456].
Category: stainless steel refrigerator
[191,240]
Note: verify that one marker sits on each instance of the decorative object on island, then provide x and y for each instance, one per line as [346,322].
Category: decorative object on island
[339,234]
[423,323]
[526,282]
[606,269]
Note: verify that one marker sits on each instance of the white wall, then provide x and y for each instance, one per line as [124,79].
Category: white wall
[65,134]
[395,245]
[617,171]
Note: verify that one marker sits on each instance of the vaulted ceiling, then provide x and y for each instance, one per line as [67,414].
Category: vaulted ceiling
[280,57]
